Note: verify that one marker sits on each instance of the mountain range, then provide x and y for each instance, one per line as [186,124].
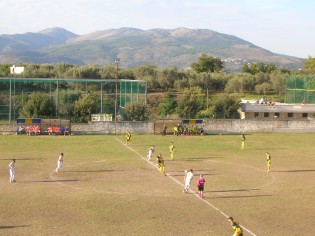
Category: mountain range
[178,47]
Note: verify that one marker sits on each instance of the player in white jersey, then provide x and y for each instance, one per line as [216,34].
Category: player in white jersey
[59,163]
[12,171]
[151,151]
[188,177]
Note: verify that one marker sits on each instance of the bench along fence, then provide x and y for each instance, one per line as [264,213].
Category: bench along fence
[36,126]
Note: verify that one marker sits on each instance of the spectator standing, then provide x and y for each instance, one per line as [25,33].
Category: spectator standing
[164,130]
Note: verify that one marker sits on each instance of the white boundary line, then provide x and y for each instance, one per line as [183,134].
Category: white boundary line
[58,182]
[205,201]
[67,185]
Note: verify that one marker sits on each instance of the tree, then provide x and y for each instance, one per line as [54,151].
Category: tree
[204,80]
[168,105]
[262,78]
[263,88]
[89,72]
[135,112]
[108,72]
[4,70]
[60,69]
[226,107]
[167,77]
[219,81]
[234,85]
[38,105]
[191,103]
[240,83]
[278,82]
[207,64]
[181,84]
[84,107]
[148,73]
[309,65]
[67,99]
[255,68]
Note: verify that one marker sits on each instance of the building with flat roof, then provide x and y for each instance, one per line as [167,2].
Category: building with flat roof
[280,111]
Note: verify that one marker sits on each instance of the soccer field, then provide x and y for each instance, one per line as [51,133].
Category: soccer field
[108,188]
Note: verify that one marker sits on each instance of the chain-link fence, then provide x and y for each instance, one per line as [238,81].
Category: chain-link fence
[64,93]
[300,89]
[132,91]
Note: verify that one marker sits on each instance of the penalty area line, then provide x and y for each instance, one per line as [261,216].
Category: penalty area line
[77,164]
[58,182]
[175,180]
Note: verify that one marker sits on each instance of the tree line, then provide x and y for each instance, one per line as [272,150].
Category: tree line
[190,93]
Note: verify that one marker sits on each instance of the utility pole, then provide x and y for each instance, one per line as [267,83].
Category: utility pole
[116,97]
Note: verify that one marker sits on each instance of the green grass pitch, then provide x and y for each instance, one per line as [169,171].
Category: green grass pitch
[107,188]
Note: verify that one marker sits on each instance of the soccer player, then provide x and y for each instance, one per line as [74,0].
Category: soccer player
[243,141]
[151,151]
[128,138]
[201,184]
[172,148]
[59,163]
[188,177]
[160,163]
[12,171]
[237,229]
[268,161]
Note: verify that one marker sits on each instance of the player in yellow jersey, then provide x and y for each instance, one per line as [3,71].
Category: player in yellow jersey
[160,163]
[268,161]
[243,141]
[128,138]
[237,229]
[172,148]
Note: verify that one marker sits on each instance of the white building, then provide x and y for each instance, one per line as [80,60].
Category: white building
[277,111]
[16,69]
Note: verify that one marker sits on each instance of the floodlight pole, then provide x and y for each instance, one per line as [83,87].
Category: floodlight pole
[116,97]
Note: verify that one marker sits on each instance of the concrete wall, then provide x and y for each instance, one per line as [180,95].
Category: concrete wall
[108,127]
[259,126]
[8,129]
[213,126]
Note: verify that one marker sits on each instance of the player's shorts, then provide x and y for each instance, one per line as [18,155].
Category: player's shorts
[200,188]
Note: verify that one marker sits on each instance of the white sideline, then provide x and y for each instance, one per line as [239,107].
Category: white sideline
[205,201]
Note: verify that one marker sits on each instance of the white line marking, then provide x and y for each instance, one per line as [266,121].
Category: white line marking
[58,182]
[68,185]
[205,201]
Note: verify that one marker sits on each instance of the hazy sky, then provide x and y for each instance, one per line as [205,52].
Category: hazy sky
[281,26]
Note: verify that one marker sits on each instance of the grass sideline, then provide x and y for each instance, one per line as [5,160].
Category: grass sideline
[106,188]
